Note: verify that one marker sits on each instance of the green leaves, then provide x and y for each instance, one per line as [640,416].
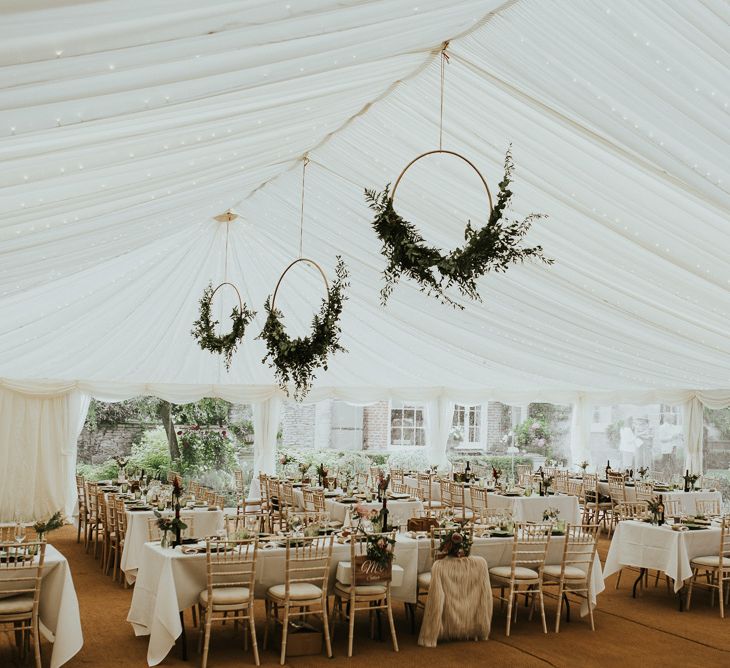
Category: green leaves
[296,360]
[493,247]
[204,328]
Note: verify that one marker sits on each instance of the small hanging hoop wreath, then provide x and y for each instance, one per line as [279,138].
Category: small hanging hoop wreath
[296,360]
[493,247]
[204,328]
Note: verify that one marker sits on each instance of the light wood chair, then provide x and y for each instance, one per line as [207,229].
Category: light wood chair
[20,588]
[397,475]
[94,523]
[83,510]
[425,484]
[304,588]
[479,500]
[525,570]
[596,509]
[523,470]
[112,550]
[457,494]
[708,507]
[631,510]
[573,574]
[229,595]
[360,596]
[121,514]
[644,490]
[715,568]
[561,481]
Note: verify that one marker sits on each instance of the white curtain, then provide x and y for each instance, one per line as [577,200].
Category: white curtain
[266,416]
[580,431]
[439,416]
[693,434]
[38,453]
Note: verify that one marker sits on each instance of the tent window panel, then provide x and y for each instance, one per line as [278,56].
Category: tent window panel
[467,424]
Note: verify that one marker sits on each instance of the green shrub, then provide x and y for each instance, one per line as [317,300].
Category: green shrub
[503,462]
[205,450]
[95,472]
[152,453]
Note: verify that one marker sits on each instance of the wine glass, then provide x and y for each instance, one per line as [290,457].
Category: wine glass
[19,532]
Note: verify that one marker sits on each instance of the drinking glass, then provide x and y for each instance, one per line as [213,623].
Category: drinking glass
[19,532]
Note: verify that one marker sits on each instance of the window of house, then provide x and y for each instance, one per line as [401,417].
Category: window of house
[467,423]
[407,424]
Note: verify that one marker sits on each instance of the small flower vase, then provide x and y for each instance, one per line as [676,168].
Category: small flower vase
[165,540]
[41,536]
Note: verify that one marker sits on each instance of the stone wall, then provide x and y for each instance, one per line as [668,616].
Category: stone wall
[96,447]
[298,425]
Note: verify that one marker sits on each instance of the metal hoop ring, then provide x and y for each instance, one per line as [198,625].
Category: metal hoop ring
[454,153]
[281,278]
[240,301]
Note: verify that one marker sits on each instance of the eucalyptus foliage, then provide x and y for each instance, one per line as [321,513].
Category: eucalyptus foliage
[296,360]
[204,328]
[493,247]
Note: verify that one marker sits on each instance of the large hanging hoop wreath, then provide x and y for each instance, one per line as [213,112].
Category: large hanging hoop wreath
[296,360]
[493,247]
[204,328]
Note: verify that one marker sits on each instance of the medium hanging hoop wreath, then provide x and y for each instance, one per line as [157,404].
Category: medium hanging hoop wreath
[493,247]
[296,360]
[204,328]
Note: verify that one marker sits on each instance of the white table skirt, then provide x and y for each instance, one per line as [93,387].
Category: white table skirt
[204,523]
[498,552]
[645,545]
[60,622]
[169,581]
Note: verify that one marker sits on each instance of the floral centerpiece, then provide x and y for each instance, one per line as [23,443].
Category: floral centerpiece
[454,543]
[643,470]
[380,549]
[369,515]
[51,524]
[583,466]
[550,514]
[496,474]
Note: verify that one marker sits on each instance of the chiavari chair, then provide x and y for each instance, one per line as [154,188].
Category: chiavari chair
[121,516]
[425,484]
[94,524]
[644,490]
[370,597]
[21,574]
[457,495]
[479,500]
[304,587]
[573,574]
[715,568]
[525,570]
[708,507]
[561,481]
[229,594]
[83,510]
[596,508]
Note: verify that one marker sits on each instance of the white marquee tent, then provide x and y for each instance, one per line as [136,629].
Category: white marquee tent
[125,127]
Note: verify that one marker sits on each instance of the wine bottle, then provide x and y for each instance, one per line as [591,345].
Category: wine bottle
[686,481]
[660,512]
[608,467]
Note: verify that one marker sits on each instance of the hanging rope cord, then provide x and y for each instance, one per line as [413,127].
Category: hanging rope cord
[444,62]
[305,162]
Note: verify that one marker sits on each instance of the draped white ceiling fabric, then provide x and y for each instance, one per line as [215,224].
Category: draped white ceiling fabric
[126,126]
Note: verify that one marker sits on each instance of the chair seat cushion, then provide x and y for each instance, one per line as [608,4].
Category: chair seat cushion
[520,573]
[433,504]
[571,572]
[711,561]
[15,605]
[226,596]
[343,590]
[298,591]
[424,580]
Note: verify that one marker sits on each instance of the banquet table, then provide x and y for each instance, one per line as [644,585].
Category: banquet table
[204,523]
[498,552]
[645,545]
[399,510]
[169,581]
[60,622]
[688,500]
[523,508]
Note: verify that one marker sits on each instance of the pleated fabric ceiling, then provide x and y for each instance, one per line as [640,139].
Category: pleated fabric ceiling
[125,127]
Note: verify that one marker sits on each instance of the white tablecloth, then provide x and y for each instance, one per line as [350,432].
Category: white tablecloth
[204,523]
[60,622]
[169,581]
[531,508]
[498,552]
[524,508]
[687,499]
[645,545]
